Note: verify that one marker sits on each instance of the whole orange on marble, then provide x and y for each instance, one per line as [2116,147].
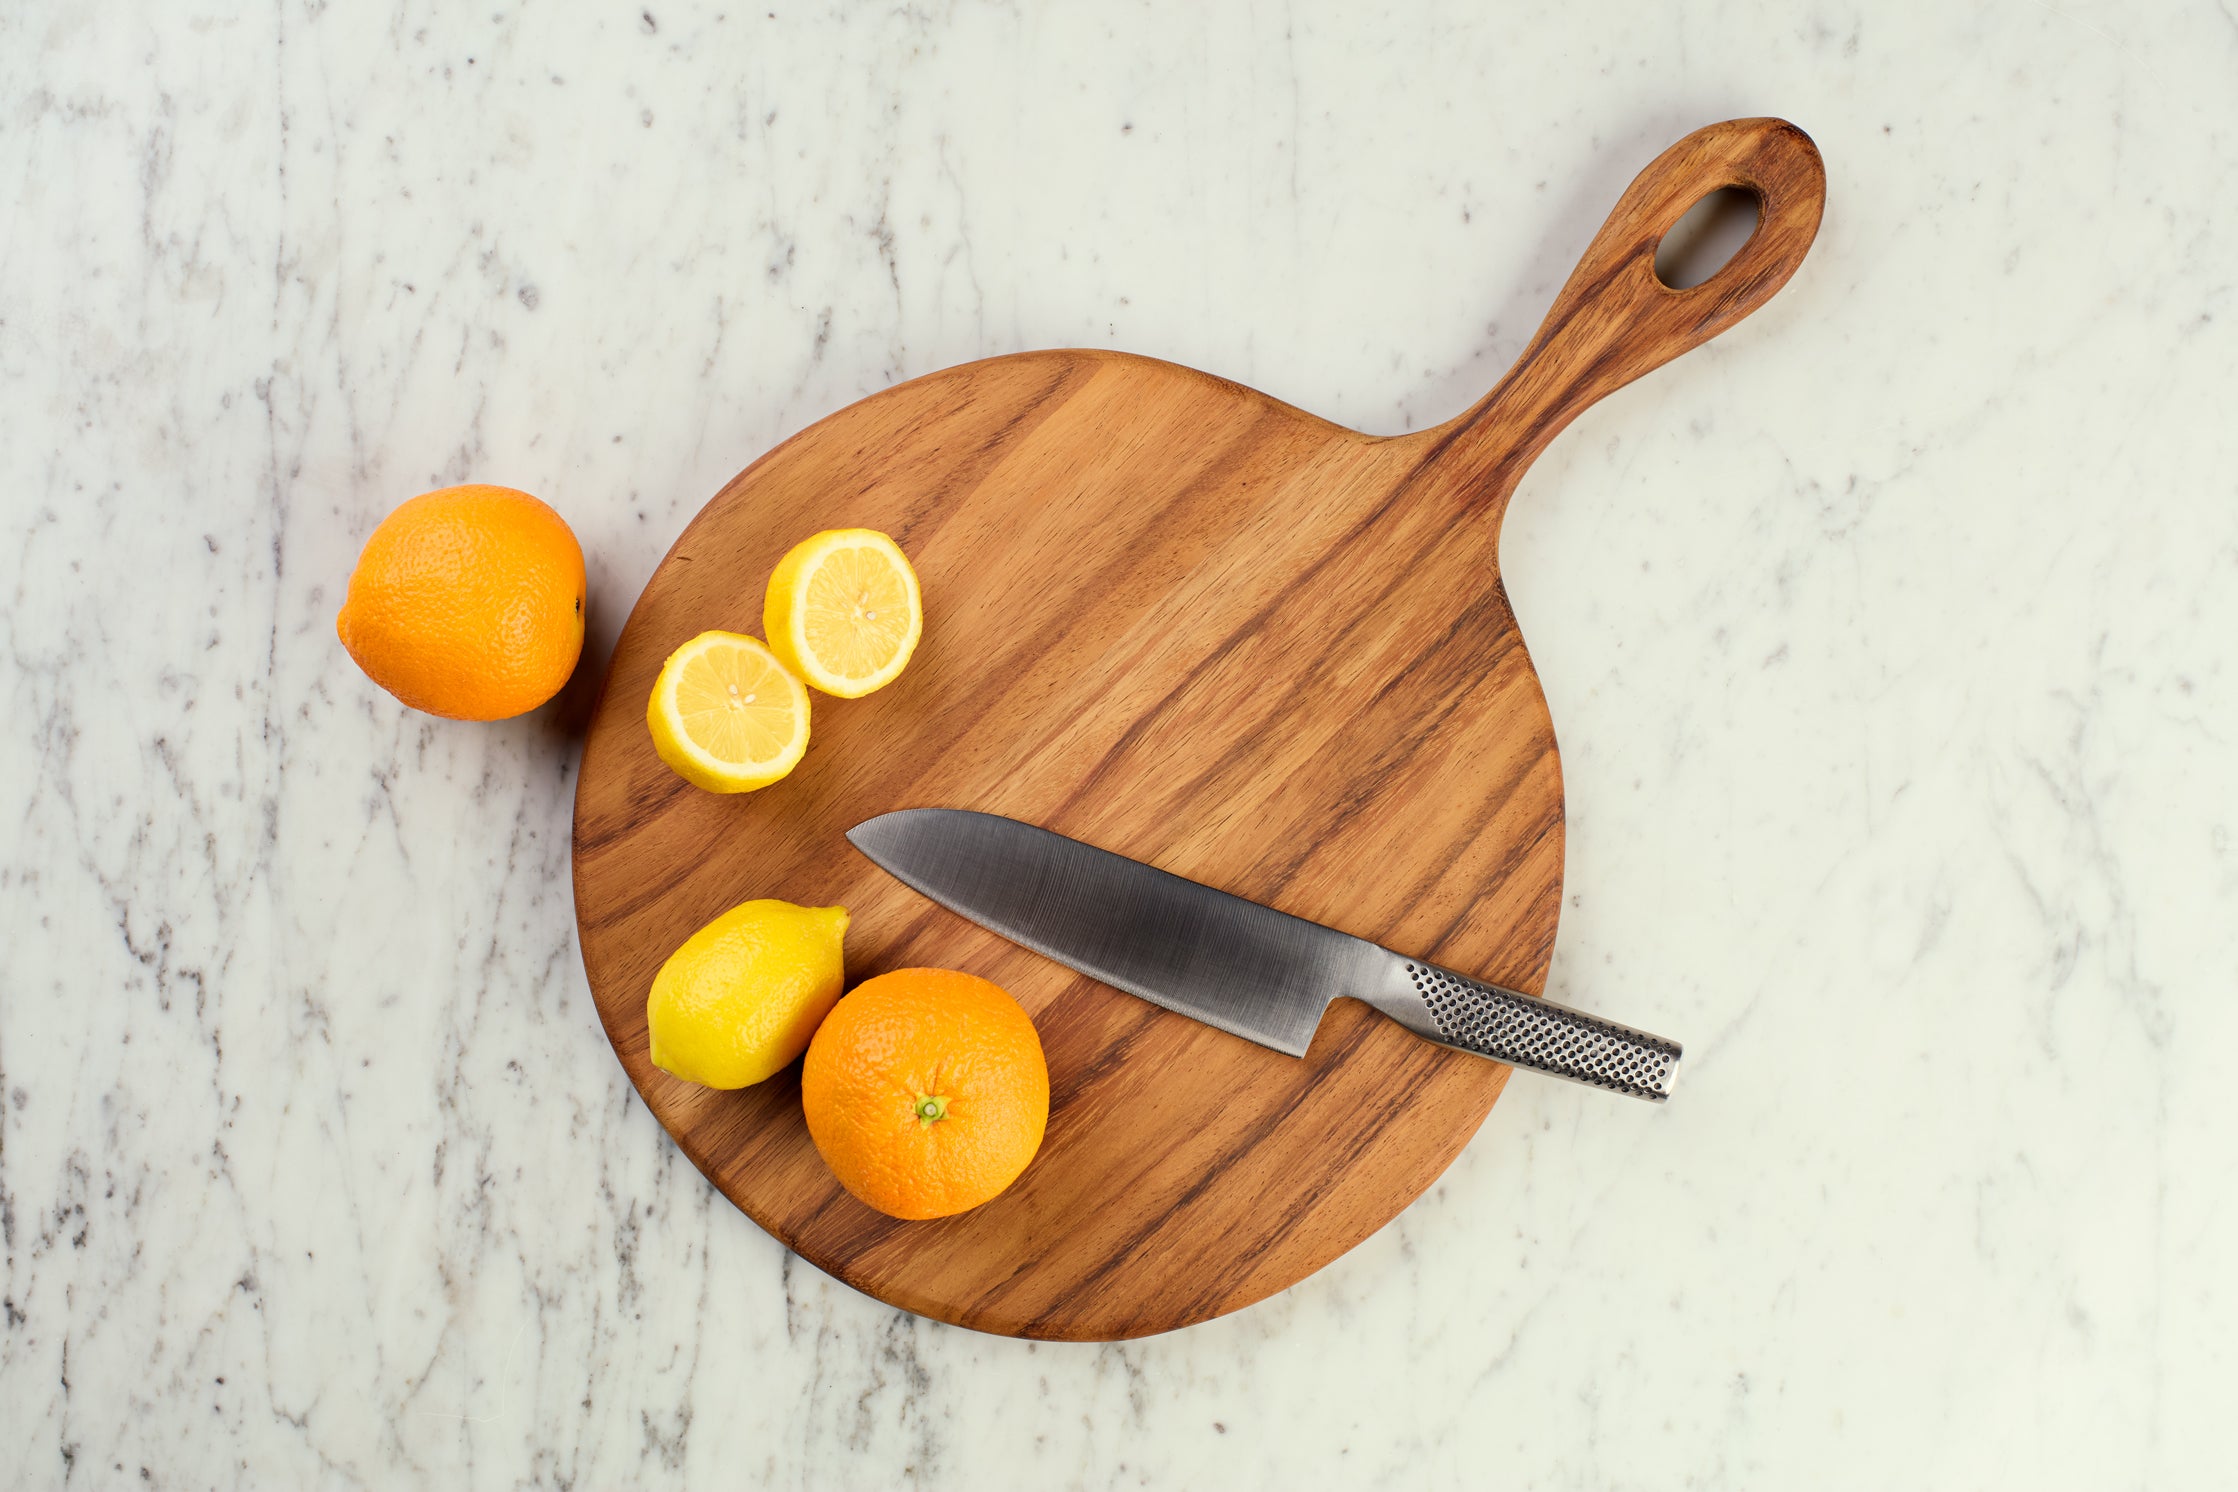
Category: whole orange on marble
[467,602]
[926,1091]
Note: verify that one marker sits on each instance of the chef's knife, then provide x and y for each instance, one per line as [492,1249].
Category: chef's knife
[1250,970]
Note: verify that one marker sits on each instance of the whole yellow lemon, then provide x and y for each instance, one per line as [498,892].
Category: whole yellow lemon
[740,999]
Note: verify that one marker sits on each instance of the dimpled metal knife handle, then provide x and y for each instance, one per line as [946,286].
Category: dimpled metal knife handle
[1543,1036]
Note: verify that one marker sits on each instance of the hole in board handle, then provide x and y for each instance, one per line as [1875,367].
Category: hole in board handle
[1706,238]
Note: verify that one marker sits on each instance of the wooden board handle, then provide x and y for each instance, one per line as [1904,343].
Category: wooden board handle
[1615,320]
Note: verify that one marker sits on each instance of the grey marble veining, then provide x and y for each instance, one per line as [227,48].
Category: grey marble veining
[1889,640]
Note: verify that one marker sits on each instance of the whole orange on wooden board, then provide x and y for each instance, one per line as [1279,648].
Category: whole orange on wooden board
[467,602]
[926,1091]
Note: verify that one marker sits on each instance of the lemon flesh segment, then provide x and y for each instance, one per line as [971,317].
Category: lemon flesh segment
[726,715]
[844,611]
[743,995]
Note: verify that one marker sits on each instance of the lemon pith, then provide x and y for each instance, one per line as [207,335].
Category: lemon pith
[844,611]
[743,995]
[726,715]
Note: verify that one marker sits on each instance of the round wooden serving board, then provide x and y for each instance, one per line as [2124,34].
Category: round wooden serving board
[1175,618]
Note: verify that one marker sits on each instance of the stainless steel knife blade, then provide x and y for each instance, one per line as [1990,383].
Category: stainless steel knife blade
[1230,962]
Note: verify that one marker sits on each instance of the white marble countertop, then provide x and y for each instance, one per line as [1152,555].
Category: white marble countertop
[1889,640]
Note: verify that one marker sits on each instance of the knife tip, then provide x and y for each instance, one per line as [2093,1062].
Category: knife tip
[880,829]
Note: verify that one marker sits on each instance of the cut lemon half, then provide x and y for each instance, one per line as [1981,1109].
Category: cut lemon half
[726,715]
[843,611]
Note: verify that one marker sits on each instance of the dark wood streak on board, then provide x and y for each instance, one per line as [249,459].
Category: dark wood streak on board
[1192,624]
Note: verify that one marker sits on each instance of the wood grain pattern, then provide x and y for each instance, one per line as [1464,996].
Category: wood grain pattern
[1173,617]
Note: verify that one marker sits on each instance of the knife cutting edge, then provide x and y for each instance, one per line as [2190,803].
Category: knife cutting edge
[1248,969]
